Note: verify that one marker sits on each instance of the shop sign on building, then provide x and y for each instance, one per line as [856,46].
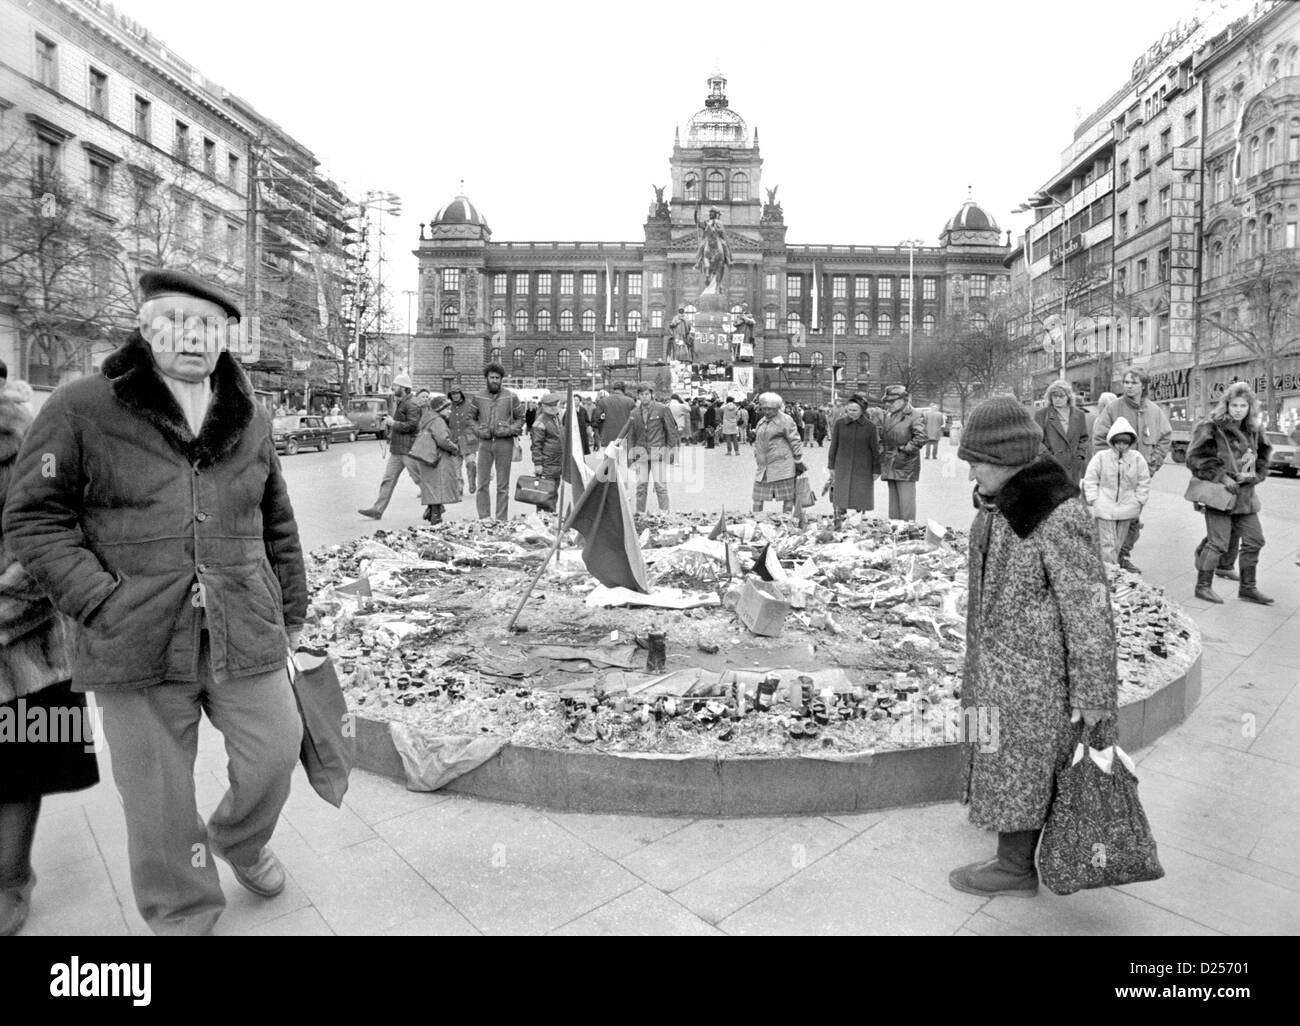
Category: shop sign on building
[1171,384]
[1182,266]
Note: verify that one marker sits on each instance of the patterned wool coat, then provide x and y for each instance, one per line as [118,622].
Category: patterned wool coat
[1040,639]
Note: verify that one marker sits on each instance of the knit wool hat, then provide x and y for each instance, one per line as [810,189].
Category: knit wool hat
[1001,432]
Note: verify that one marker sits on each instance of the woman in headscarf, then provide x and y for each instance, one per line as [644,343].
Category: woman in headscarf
[778,455]
[35,676]
[854,459]
[439,482]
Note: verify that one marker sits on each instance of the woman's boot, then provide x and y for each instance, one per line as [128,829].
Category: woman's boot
[17,878]
[1247,590]
[1011,874]
[435,514]
[1205,586]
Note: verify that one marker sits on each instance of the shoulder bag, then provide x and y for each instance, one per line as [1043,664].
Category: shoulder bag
[425,449]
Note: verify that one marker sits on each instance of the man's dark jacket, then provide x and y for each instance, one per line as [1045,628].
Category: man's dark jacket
[615,408]
[405,426]
[119,513]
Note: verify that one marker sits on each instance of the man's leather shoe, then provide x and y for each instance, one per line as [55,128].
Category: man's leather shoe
[993,878]
[372,514]
[1128,565]
[265,877]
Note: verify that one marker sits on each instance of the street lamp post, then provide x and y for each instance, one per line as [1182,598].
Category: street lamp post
[390,203]
[911,245]
[1038,201]
[410,333]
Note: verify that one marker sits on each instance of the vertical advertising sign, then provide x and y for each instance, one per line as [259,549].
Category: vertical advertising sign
[1184,255]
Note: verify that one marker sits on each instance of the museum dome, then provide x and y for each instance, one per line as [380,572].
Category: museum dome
[971,217]
[717,124]
[460,211]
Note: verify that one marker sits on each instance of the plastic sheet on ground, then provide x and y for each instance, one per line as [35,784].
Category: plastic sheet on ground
[661,598]
[434,762]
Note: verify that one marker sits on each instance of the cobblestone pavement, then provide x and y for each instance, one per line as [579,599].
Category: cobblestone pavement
[1222,792]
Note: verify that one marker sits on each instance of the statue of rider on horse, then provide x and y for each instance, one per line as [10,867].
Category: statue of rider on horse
[713,256]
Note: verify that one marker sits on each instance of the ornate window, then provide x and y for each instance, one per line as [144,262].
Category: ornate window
[1268,232]
[521,283]
[566,283]
[927,324]
[817,359]
[517,361]
[587,357]
[499,284]
[539,361]
[769,320]
[839,324]
[862,286]
[692,185]
[589,320]
[566,320]
[793,358]
[740,186]
[521,320]
[929,288]
[905,322]
[793,286]
[1216,260]
[885,288]
[1270,147]
[448,357]
[864,363]
[451,279]
[839,286]
[717,186]
[884,324]
[498,320]
[630,355]
[634,321]
[450,315]
[979,322]
[1234,254]
[1252,240]
[862,324]
[656,317]
[793,323]
[1252,156]
[544,283]
[495,355]
[588,283]
[543,320]
[562,364]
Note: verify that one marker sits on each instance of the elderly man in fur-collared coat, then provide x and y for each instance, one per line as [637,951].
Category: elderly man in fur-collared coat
[1040,639]
[149,503]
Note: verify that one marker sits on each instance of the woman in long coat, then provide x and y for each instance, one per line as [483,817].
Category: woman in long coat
[854,459]
[34,670]
[1040,639]
[1065,430]
[439,482]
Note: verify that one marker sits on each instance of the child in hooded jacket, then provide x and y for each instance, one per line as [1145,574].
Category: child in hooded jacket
[1117,485]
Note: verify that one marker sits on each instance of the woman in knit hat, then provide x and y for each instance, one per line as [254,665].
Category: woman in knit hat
[440,481]
[1040,639]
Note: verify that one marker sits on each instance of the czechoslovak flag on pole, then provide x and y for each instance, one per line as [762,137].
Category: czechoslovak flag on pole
[609,544]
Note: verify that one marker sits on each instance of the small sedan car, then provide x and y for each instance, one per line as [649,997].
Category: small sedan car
[1284,458]
[292,433]
[341,429]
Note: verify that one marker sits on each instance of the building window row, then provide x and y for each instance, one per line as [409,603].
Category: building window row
[715,184]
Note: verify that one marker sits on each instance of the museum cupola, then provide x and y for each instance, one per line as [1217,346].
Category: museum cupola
[716,165]
[972,225]
[459,219]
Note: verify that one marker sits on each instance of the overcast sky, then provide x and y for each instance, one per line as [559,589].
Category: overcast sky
[874,117]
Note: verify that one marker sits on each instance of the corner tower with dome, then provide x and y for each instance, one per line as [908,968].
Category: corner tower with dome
[554,313]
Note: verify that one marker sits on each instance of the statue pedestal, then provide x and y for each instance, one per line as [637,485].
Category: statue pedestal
[713,328]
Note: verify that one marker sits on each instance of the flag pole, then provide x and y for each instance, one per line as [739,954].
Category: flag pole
[554,551]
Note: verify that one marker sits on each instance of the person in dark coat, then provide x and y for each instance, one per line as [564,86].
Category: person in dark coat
[819,425]
[402,431]
[1040,640]
[1065,430]
[585,409]
[712,419]
[902,437]
[615,408]
[548,438]
[439,481]
[460,424]
[1230,448]
[854,459]
[35,669]
[165,531]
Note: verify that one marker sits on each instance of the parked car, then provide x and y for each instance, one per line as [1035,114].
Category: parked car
[291,433]
[1180,440]
[341,429]
[370,414]
[1285,456]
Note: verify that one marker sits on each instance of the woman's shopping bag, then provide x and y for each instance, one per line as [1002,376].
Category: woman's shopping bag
[517,456]
[1097,834]
[328,743]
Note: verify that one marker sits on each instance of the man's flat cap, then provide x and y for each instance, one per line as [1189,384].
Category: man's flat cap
[167,282]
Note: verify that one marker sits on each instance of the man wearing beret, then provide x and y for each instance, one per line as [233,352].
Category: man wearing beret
[148,502]
[1040,639]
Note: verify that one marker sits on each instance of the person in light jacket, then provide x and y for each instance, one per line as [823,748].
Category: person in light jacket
[1230,448]
[652,447]
[1065,429]
[778,455]
[902,437]
[498,420]
[1154,438]
[1116,486]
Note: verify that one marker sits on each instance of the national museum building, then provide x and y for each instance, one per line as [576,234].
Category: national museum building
[588,313]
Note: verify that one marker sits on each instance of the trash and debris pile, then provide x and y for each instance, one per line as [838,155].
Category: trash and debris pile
[777,637]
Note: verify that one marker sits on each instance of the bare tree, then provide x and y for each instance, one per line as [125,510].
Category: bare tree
[1270,330]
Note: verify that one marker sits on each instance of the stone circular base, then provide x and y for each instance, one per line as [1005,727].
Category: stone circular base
[589,781]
